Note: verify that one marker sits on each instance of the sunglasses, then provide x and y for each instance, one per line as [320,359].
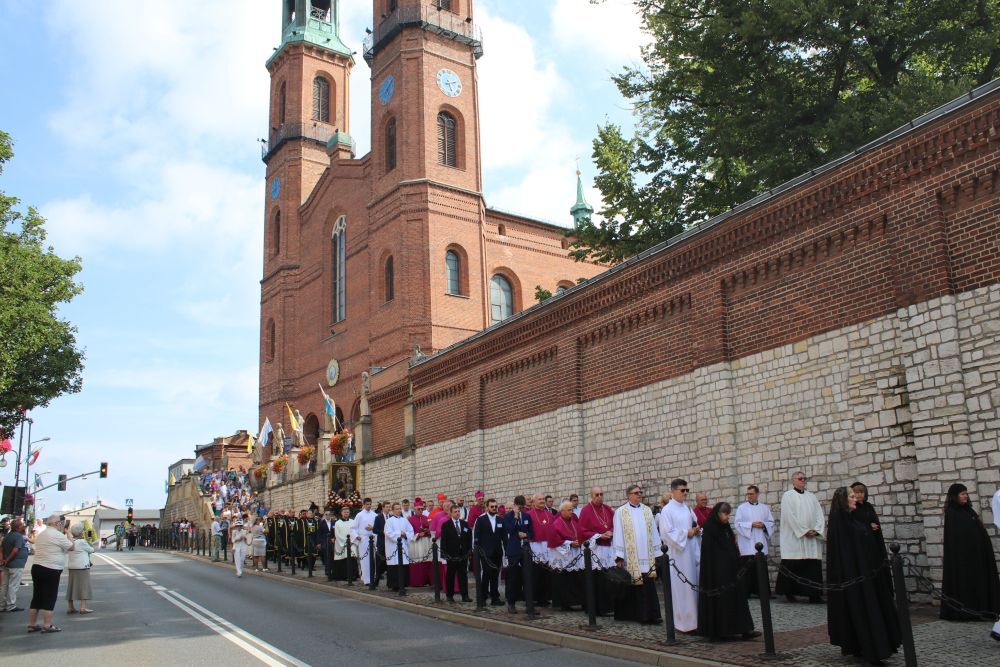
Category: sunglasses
[683,490]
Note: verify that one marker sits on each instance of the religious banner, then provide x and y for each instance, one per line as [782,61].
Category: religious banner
[344,478]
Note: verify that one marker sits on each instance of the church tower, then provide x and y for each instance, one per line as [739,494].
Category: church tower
[308,124]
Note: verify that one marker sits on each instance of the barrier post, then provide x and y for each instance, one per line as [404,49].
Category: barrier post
[350,570]
[588,572]
[668,601]
[400,572]
[903,607]
[371,562]
[764,592]
[436,571]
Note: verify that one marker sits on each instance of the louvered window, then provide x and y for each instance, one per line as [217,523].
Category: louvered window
[390,145]
[447,150]
[270,341]
[276,234]
[321,100]
[282,99]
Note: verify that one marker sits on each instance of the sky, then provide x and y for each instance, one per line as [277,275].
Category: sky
[135,127]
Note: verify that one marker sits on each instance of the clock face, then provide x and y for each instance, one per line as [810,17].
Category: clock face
[332,372]
[449,83]
[386,90]
[275,187]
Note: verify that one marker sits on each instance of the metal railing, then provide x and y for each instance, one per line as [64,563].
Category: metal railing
[435,20]
[314,131]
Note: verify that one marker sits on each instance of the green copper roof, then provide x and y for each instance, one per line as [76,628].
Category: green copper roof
[313,26]
[581,209]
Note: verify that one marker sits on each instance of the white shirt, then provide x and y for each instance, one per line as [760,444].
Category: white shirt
[79,558]
[747,536]
[800,513]
[50,549]
[216,529]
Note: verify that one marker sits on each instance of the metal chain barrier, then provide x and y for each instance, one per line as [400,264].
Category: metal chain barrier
[826,588]
[713,592]
[938,595]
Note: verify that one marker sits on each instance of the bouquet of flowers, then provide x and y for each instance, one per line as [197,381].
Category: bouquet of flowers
[354,500]
[260,472]
[306,455]
[278,463]
[333,501]
[338,443]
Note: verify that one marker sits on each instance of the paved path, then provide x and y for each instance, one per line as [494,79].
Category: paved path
[158,608]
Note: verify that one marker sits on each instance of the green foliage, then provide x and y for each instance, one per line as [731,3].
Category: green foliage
[542,294]
[39,359]
[738,96]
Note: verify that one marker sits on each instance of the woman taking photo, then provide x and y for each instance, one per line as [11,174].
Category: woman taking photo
[51,546]
[78,564]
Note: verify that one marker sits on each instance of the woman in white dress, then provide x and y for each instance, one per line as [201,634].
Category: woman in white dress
[240,539]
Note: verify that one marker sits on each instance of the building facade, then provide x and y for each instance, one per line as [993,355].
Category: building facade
[367,259]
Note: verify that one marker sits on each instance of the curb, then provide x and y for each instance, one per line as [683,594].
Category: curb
[490,624]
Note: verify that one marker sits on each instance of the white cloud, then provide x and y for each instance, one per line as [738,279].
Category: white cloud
[609,33]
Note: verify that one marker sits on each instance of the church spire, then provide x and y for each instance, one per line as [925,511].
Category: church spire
[581,209]
[316,22]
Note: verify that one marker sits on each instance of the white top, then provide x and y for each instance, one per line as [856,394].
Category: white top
[642,539]
[996,508]
[747,536]
[800,513]
[50,549]
[79,557]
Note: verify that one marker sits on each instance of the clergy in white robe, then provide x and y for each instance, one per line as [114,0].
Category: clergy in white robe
[396,527]
[635,541]
[363,524]
[680,532]
[754,524]
[995,505]
[343,535]
[802,528]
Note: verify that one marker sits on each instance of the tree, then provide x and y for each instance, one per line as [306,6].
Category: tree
[541,294]
[738,96]
[39,359]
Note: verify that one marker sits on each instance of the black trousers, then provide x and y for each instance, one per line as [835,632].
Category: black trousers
[460,569]
[489,572]
[514,589]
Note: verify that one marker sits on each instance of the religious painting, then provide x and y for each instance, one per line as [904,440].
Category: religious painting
[344,478]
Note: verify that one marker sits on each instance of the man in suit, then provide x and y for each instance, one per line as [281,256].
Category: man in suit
[517,522]
[489,536]
[378,530]
[456,543]
[324,535]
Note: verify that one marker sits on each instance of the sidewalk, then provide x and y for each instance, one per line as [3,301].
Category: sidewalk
[800,630]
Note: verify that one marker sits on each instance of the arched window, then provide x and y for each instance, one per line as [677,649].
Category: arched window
[502,230]
[276,234]
[447,147]
[338,270]
[390,145]
[563,286]
[453,267]
[310,429]
[390,279]
[501,299]
[269,341]
[282,100]
[321,99]
[561,289]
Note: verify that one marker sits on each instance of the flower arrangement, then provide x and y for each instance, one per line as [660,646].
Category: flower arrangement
[260,472]
[338,443]
[278,463]
[306,455]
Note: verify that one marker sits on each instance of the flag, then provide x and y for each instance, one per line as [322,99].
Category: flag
[329,406]
[33,457]
[265,432]
[249,443]
[199,463]
[291,418]
[38,482]
[172,480]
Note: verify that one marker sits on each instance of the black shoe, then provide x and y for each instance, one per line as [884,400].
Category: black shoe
[451,599]
[466,599]
[995,635]
[752,634]
[816,599]
[790,598]
[513,610]
[496,603]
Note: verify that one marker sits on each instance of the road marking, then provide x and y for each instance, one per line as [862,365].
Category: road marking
[149,583]
[234,634]
[115,564]
[159,588]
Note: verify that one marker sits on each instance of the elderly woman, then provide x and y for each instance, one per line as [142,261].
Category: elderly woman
[51,546]
[78,564]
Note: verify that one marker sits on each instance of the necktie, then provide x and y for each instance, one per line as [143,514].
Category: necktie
[457,529]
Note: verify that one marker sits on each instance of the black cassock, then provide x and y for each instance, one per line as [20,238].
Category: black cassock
[970,571]
[866,515]
[861,619]
[726,614]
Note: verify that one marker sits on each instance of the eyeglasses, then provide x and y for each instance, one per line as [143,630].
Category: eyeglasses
[598,494]
[683,490]
[635,493]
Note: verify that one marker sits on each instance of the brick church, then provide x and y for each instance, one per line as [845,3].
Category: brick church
[370,258]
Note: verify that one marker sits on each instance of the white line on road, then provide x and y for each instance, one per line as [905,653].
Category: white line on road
[115,564]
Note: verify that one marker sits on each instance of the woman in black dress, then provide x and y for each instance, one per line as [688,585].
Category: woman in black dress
[970,570]
[861,618]
[727,614]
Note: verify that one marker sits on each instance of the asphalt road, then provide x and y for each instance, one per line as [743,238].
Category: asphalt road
[155,608]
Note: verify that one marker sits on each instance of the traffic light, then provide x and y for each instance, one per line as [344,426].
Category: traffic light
[62,482]
[104,469]
[129,514]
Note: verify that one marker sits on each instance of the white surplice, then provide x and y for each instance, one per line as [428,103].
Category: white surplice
[675,520]
[642,540]
[396,527]
[343,532]
[747,536]
[800,513]
[361,533]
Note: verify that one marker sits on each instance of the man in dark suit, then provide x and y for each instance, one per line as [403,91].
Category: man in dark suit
[324,533]
[456,543]
[378,530]
[517,523]
[489,536]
